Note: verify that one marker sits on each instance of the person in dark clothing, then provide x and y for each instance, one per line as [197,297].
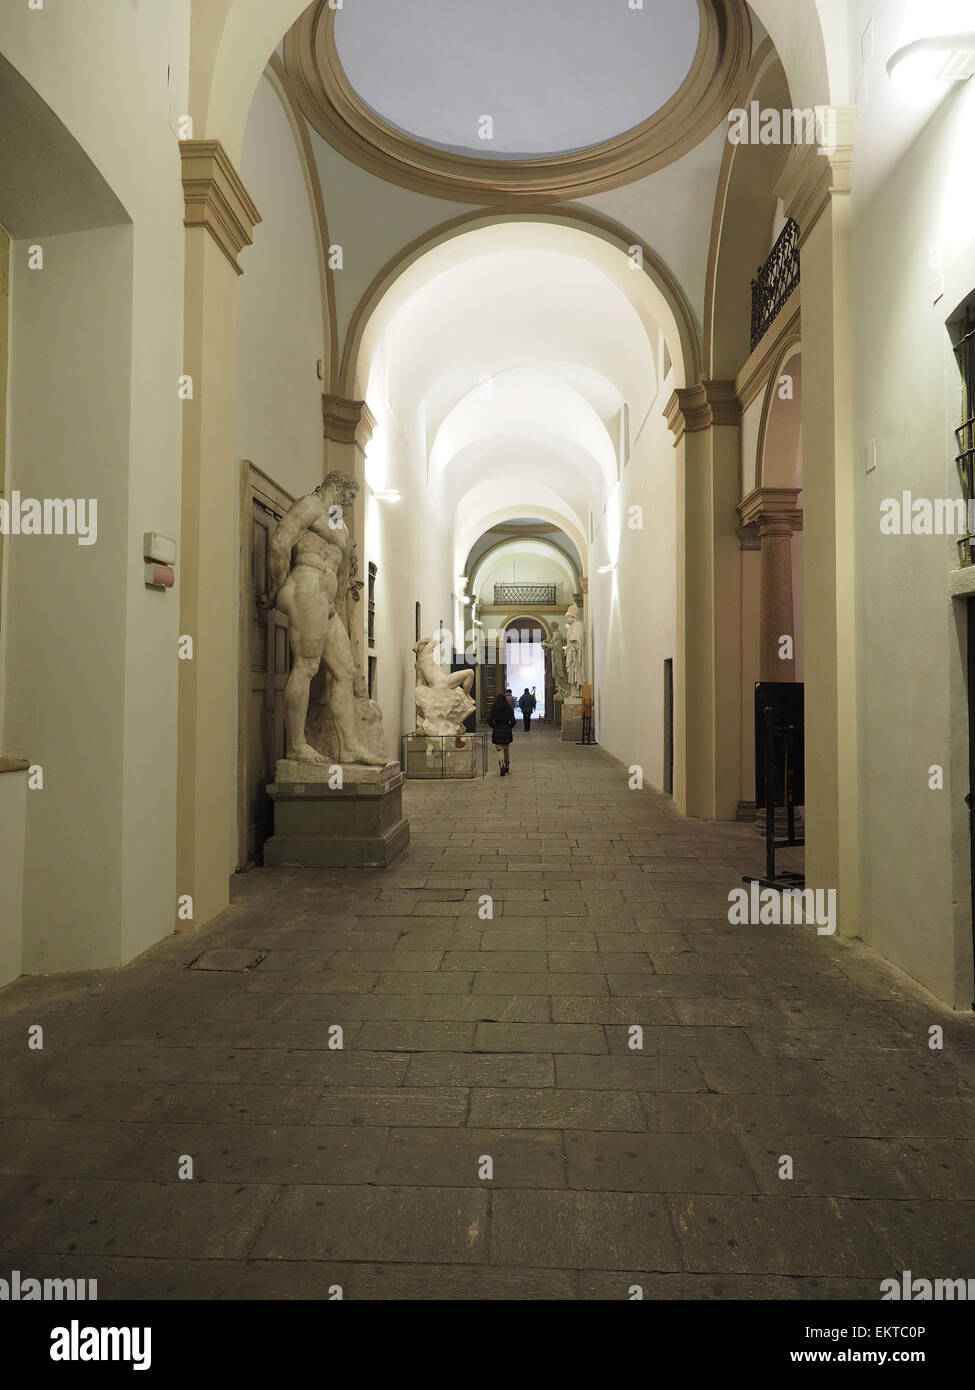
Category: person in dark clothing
[527,705]
[502,721]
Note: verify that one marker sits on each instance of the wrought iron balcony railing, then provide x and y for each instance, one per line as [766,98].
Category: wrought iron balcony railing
[524,595]
[777,278]
[965,434]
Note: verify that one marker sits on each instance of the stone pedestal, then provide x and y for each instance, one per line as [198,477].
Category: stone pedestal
[572,719]
[359,825]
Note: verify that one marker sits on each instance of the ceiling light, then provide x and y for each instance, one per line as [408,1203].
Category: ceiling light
[921,69]
[388,495]
[606,569]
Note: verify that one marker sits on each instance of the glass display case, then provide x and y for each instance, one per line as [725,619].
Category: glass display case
[444,755]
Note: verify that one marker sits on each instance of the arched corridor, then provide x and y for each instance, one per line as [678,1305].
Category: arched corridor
[487,647]
[507,1036]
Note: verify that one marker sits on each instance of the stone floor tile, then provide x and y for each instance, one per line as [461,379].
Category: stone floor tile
[829,1167]
[411,1224]
[416,1037]
[588,1230]
[441,1105]
[658,1163]
[555,1109]
[159,1220]
[776,1235]
[455,1158]
[561,1038]
[633,1073]
[491,1008]
[480,1069]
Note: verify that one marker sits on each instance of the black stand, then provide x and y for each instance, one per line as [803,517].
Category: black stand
[587,733]
[780,753]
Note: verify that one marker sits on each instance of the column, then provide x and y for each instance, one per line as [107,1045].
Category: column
[815,189]
[774,512]
[220,218]
[706,422]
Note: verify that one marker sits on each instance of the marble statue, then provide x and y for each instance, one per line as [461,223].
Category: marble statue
[575,647]
[555,646]
[312,569]
[443,697]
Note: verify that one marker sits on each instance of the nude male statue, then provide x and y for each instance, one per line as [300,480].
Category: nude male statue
[309,559]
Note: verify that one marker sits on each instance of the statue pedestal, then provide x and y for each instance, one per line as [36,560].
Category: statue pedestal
[444,756]
[359,825]
[572,719]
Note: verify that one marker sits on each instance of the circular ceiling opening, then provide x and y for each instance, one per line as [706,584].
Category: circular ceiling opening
[516,101]
[515,80]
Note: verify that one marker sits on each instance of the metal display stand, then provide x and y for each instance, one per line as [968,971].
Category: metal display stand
[780,760]
[588,736]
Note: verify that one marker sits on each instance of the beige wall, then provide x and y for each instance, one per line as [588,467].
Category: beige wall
[280,311]
[13,818]
[912,711]
[66,603]
[90,675]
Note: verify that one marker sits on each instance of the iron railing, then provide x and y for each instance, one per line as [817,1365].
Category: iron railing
[777,278]
[965,433]
[524,595]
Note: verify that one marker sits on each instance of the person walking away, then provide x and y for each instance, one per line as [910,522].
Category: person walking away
[527,706]
[502,722]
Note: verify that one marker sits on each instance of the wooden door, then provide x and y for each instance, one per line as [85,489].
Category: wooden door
[491,676]
[269,662]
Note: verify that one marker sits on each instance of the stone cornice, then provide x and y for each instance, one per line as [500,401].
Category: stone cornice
[693,408]
[812,177]
[216,199]
[771,508]
[749,537]
[347,422]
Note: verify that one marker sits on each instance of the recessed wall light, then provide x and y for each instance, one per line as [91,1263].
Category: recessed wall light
[921,69]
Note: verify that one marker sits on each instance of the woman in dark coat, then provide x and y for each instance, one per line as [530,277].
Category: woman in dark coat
[502,721]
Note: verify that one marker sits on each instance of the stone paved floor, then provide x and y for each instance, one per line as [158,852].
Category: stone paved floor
[505,1038]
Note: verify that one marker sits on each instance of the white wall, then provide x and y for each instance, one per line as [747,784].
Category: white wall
[94,362]
[412,548]
[371,220]
[519,567]
[912,714]
[633,610]
[280,310]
